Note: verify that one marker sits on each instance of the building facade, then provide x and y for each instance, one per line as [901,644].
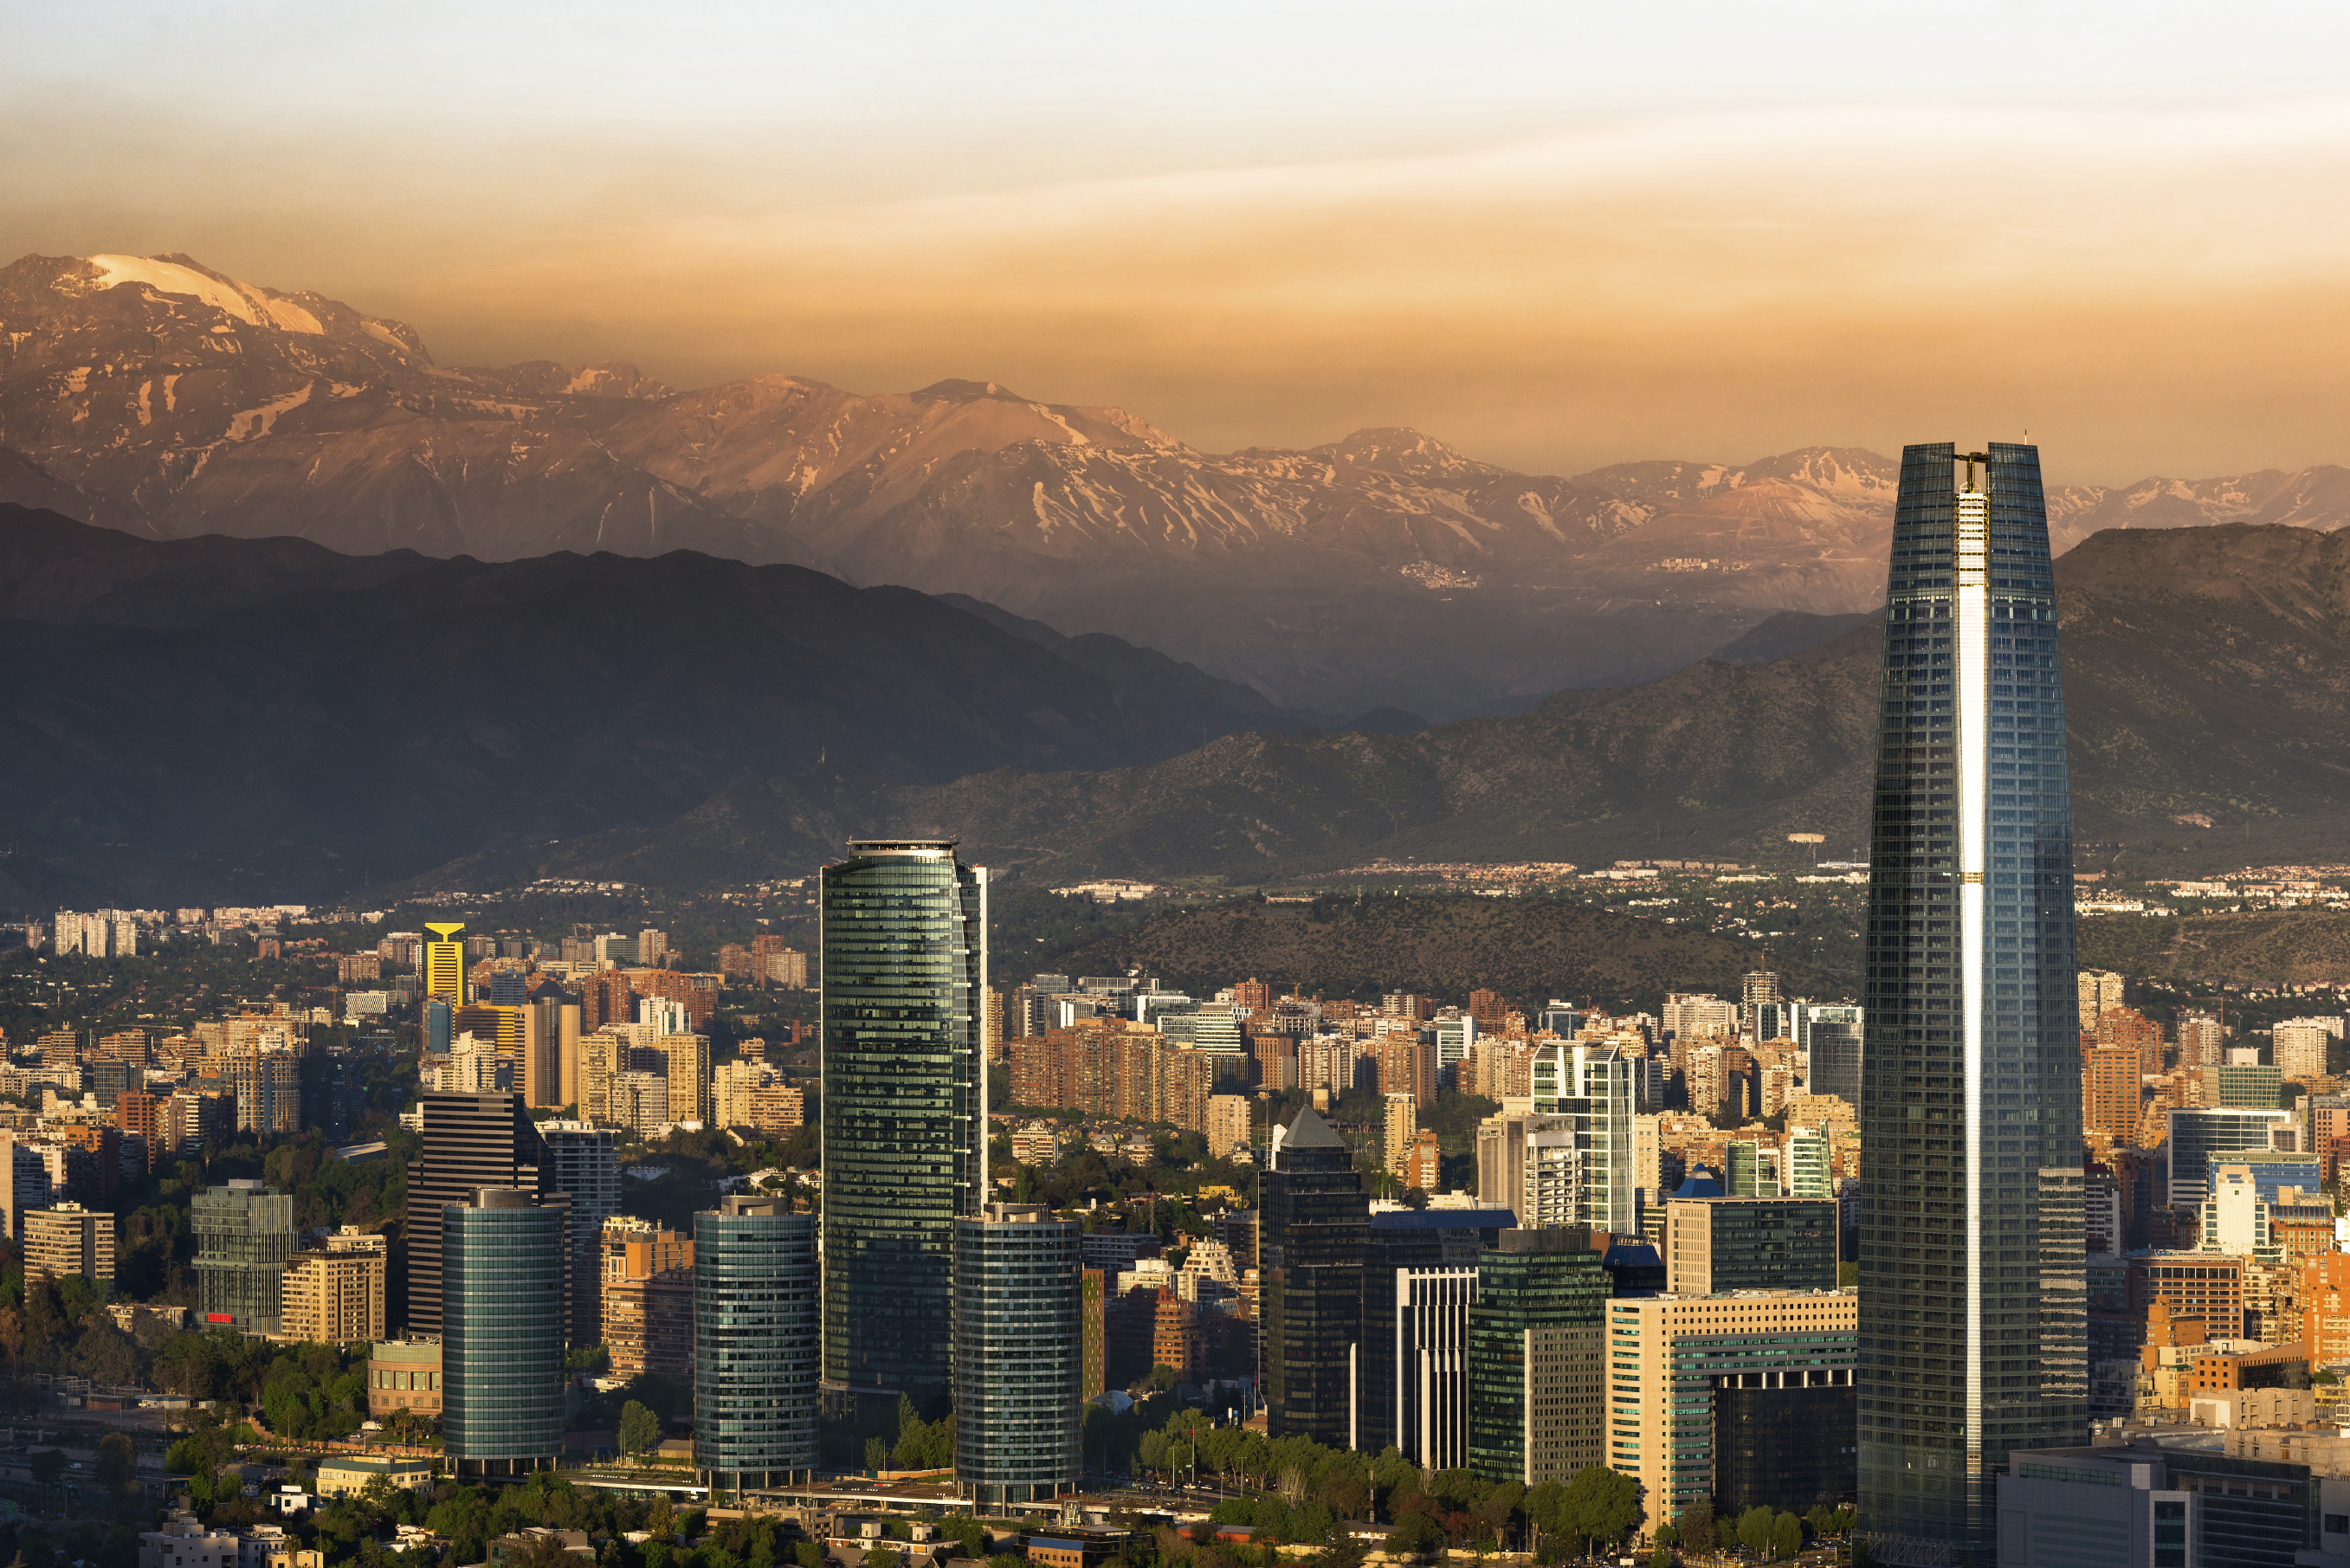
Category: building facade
[245,1234]
[471,1141]
[905,1107]
[1536,1390]
[1738,1400]
[501,1270]
[335,1295]
[1020,1356]
[1716,1245]
[1317,1227]
[757,1350]
[70,1240]
[1430,1365]
[1972,1325]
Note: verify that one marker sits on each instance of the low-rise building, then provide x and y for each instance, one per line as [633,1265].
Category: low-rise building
[342,1477]
[404,1375]
[181,1543]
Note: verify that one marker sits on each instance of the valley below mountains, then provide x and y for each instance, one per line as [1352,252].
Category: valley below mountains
[165,399]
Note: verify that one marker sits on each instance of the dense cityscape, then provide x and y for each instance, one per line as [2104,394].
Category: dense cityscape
[482,1233]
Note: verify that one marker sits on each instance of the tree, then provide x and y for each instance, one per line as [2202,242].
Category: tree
[876,1454]
[640,1430]
[1600,1505]
[118,1459]
[1755,1527]
[1786,1536]
[1697,1525]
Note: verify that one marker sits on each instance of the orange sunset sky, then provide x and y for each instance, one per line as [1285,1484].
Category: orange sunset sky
[1557,235]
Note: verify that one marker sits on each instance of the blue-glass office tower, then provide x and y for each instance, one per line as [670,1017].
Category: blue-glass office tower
[757,1344]
[502,1306]
[1019,1356]
[905,1109]
[1972,1313]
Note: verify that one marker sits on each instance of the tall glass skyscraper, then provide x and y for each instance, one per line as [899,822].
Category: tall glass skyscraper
[755,1344]
[905,1108]
[501,1270]
[1019,1356]
[1973,1278]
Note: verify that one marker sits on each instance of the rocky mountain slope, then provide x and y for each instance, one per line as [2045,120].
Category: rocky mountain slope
[2208,690]
[158,396]
[188,719]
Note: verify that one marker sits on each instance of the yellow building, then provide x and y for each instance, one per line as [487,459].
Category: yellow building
[688,1057]
[335,1296]
[70,1240]
[444,963]
[1772,1369]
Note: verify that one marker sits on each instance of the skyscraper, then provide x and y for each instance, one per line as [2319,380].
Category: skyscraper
[1972,1325]
[502,1267]
[471,1141]
[905,1108]
[1317,1224]
[444,962]
[244,1233]
[755,1331]
[1020,1356]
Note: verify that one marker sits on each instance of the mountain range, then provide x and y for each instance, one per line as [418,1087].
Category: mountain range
[159,397]
[203,719]
[2208,700]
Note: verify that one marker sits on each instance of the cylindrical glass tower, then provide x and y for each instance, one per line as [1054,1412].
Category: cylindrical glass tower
[905,1112]
[502,1263]
[756,1344]
[1019,1356]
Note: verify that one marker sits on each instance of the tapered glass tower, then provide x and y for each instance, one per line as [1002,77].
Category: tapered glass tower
[1972,1312]
[905,1109]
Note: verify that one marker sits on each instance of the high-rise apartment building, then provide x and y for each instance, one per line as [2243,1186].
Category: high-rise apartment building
[1973,1278]
[1020,1362]
[1317,1220]
[70,1240]
[244,1233]
[757,1350]
[1589,1089]
[905,1107]
[335,1295]
[2112,1090]
[501,1286]
[1536,1392]
[647,1285]
[2098,989]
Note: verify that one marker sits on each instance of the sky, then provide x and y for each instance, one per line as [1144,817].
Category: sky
[1554,235]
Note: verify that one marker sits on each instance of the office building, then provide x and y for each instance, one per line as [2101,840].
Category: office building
[2244,1083]
[335,1295]
[905,1108]
[471,1141]
[443,966]
[245,1234]
[1738,1400]
[1019,1356]
[2197,1134]
[1535,1368]
[1973,1316]
[550,1050]
[1713,1246]
[70,1240]
[1428,1369]
[582,1162]
[501,1287]
[1409,1241]
[757,1344]
[1316,1222]
[1830,1034]
[1811,1164]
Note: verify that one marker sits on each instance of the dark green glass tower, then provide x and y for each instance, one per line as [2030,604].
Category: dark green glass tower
[905,1109]
[503,1261]
[1535,1394]
[1973,1306]
[1020,1356]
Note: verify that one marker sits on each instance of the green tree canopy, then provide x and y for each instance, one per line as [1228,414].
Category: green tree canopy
[640,1430]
